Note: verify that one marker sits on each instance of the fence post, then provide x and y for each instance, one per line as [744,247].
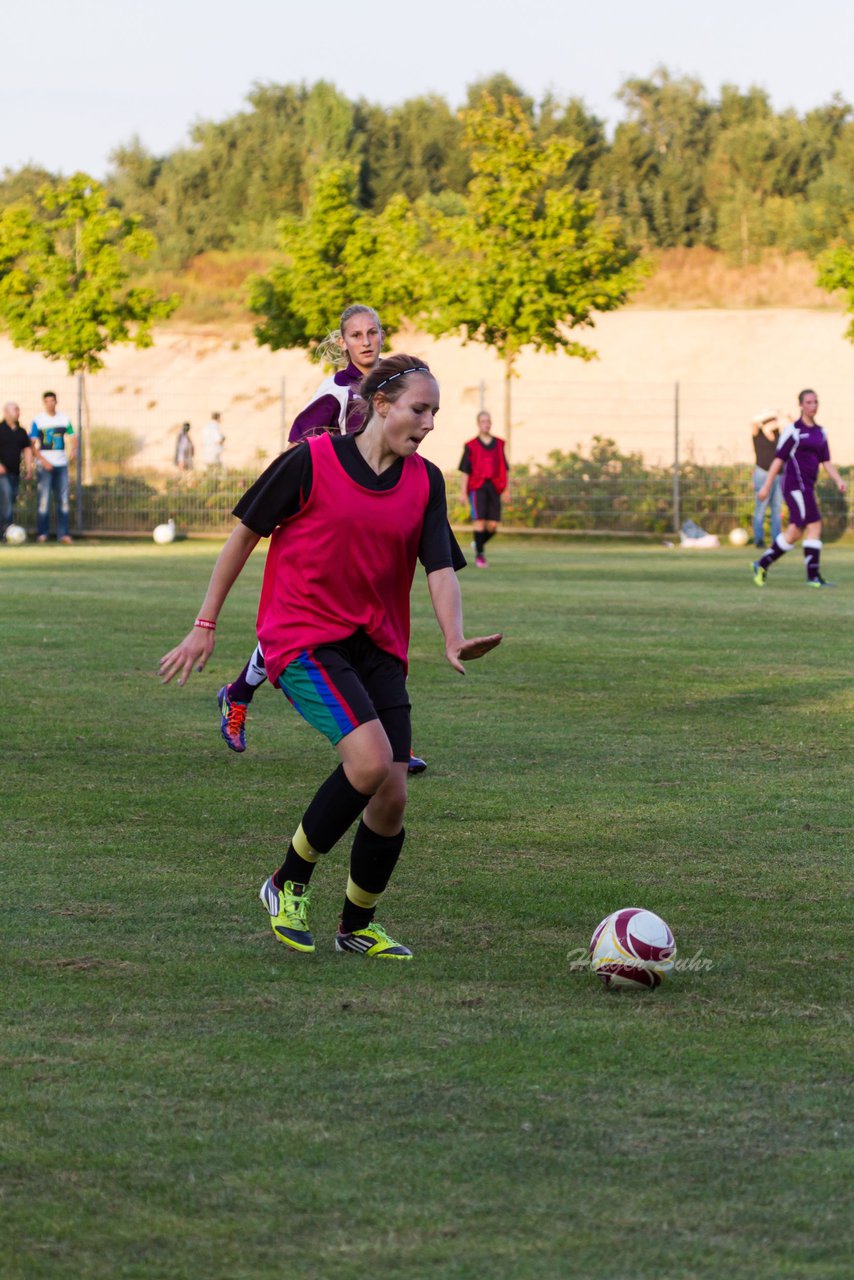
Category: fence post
[283,425]
[677,519]
[482,396]
[80,443]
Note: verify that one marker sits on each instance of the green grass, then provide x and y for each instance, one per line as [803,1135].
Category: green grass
[183,1098]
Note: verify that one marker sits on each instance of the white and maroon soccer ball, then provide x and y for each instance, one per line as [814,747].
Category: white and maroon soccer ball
[632,949]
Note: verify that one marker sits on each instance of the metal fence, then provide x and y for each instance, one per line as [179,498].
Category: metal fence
[607,502]
[677,449]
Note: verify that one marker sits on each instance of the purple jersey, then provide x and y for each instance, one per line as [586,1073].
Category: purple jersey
[330,409]
[802,449]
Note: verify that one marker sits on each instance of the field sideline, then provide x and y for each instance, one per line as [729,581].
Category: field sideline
[182,1098]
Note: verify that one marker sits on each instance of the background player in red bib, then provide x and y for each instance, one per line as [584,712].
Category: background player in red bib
[802,449]
[484,464]
[335,631]
[335,408]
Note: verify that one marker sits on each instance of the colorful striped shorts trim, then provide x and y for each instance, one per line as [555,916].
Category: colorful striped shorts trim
[338,687]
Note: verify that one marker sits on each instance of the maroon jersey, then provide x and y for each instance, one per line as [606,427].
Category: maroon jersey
[343,563]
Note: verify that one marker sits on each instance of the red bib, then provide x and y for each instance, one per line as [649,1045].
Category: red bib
[344,562]
[487,464]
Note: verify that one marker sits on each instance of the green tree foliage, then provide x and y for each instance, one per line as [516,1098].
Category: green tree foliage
[65,260]
[339,254]
[836,271]
[684,167]
[652,175]
[413,150]
[527,262]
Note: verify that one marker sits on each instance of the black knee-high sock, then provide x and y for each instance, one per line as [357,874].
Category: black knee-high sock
[479,541]
[780,547]
[372,860]
[251,678]
[334,809]
[487,534]
[812,558]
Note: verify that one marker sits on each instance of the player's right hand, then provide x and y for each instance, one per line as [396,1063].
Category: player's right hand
[193,651]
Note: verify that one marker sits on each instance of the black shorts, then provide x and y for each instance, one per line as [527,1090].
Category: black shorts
[337,687]
[486,502]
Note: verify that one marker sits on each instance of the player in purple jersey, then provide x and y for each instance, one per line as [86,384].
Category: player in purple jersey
[334,408]
[802,449]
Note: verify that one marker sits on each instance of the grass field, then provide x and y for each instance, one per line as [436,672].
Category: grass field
[182,1098]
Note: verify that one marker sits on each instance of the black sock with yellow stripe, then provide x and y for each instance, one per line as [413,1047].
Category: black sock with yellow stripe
[372,861]
[334,809]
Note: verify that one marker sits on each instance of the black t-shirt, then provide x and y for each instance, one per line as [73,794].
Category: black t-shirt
[284,488]
[13,442]
[765,449]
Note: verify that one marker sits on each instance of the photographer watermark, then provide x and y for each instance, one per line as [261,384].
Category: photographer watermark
[579,958]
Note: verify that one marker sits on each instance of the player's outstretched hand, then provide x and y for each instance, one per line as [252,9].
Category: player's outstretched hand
[193,651]
[471,649]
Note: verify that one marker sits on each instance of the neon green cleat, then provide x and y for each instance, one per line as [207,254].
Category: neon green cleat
[759,574]
[372,941]
[819,581]
[288,913]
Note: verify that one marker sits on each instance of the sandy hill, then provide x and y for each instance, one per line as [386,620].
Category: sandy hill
[730,365]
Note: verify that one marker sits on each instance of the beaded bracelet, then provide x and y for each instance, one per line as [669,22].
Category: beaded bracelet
[205,624]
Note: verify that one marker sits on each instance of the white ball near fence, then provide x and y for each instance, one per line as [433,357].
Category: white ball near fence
[738,537]
[16,535]
[164,533]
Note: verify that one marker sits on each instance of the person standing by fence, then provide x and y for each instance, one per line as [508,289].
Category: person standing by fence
[213,441]
[766,435]
[15,449]
[484,464]
[51,434]
[184,450]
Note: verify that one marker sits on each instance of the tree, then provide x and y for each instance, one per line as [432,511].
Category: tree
[653,173]
[836,271]
[526,262]
[65,262]
[65,265]
[337,255]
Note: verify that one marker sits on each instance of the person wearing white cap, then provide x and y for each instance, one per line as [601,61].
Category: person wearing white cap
[766,435]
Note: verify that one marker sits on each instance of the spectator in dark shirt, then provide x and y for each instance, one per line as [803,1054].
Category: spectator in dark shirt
[15,448]
[766,436]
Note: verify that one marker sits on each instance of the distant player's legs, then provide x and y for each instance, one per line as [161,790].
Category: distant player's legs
[812,554]
[234,699]
[802,512]
[486,512]
[253,675]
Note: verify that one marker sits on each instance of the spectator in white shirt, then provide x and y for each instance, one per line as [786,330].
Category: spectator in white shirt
[212,442]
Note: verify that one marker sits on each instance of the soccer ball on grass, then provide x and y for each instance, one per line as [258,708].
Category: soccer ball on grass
[16,535]
[632,949]
[738,537]
[164,533]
